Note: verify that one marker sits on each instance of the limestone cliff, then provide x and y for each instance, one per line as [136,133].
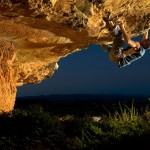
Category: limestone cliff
[35,34]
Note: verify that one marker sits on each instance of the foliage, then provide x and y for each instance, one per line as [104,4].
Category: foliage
[35,128]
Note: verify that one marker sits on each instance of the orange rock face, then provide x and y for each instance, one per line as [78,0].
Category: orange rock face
[35,34]
[7,76]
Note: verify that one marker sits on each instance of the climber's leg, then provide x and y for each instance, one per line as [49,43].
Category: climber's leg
[117,47]
[110,21]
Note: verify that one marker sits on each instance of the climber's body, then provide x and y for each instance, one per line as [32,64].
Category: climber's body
[117,53]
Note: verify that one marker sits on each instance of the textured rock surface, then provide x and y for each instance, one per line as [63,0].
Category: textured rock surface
[7,76]
[35,34]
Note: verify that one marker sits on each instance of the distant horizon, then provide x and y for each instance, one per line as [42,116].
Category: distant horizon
[103,94]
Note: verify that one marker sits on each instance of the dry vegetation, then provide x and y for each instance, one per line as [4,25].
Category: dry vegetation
[37,129]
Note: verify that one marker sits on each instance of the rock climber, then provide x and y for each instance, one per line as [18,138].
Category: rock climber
[134,51]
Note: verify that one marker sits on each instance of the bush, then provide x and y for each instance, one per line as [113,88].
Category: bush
[35,128]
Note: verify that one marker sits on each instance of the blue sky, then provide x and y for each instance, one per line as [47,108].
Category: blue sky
[91,72]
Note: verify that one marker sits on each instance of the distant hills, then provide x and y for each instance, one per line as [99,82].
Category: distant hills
[81,104]
[86,97]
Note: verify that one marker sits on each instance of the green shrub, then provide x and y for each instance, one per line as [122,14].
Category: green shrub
[35,128]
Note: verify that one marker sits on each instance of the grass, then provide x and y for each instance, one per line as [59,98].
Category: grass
[35,128]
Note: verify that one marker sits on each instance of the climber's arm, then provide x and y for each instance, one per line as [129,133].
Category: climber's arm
[127,38]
